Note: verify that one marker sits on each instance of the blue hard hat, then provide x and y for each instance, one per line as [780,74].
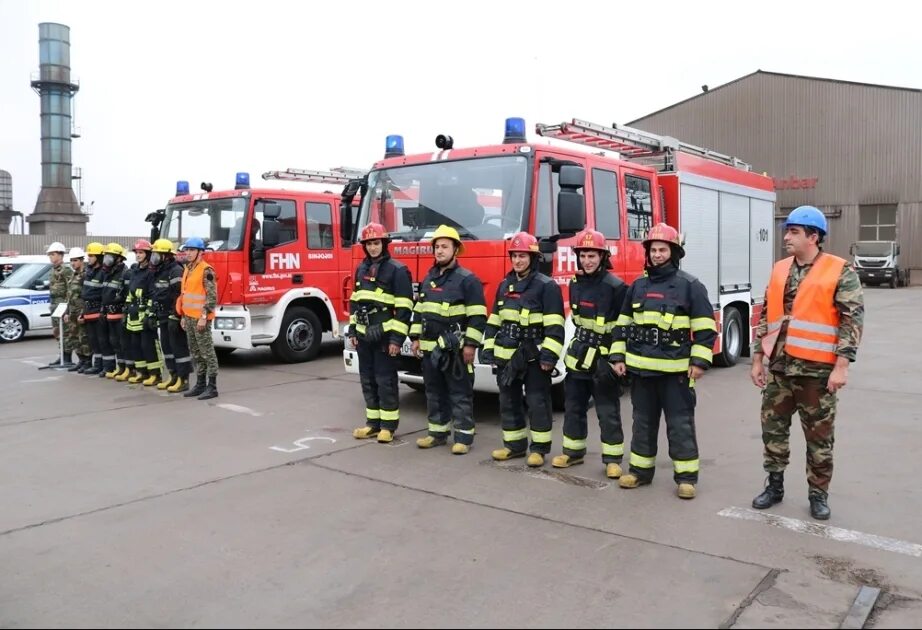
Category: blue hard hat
[194,242]
[807,216]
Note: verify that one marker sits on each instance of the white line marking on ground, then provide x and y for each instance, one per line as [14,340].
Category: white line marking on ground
[35,363]
[301,444]
[240,409]
[47,379]
[826,531]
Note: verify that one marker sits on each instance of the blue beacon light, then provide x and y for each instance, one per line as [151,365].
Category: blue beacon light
[242,181]
[515,131]
[393,146]
[182,188]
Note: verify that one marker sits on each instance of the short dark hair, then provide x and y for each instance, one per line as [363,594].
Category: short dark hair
[812,230]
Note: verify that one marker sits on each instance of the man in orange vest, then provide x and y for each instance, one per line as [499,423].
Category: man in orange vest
[809,329]
[196,306]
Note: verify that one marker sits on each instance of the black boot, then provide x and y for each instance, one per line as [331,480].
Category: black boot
[85,365]
[95,368]
[819,509]
[211,391]
[76,367]
[773,493]
[196,391]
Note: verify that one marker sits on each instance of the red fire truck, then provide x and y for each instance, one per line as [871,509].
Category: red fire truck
[282,264]
[618,180]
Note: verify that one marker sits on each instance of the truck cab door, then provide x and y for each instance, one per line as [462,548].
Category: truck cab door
[275,248]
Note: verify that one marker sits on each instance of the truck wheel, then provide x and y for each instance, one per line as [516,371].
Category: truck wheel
[731,339]
[12,327]
[299,337]
[892,282]
[223,353]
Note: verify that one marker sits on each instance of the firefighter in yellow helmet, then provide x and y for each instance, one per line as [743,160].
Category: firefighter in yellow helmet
[114,291]
[665,336]
[92,300]
[448,323]
[167,283]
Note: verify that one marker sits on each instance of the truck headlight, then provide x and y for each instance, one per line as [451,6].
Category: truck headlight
[229,323]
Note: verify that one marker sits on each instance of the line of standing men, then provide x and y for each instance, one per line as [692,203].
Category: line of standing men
[660,330]
[127,324]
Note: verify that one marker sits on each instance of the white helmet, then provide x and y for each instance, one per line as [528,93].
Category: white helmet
[57,246]
[76,252]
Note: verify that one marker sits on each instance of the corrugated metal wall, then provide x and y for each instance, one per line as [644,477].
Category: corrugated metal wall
[37,243]
[863,143]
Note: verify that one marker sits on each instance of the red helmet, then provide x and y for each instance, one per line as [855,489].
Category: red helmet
[666,234]
[524,242]
[141,244]
[374,232]
[590,239]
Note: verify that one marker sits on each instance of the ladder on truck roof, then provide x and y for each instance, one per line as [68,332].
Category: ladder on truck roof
[338,175]
[630,143]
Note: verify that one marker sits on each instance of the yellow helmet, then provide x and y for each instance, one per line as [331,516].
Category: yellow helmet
[444,231]
[94,249]
[115,249]
[163,246]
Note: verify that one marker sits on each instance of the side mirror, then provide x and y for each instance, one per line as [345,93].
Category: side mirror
[345,224]
[572,176]
[272,211]
[258,260]
[571,211]
[547,248]
[851,249]
[271,236]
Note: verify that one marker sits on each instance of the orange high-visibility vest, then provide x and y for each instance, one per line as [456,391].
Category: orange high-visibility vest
[813,324]
[192,299]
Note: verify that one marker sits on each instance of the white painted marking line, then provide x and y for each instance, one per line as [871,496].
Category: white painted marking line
[35,363]
[240,409]
[47,379]
[301,445]
[825,531]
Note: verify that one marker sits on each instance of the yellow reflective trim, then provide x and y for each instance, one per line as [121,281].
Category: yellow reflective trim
[656,365]
[508,315]
[489,344]
[552,345]
[503,353]
[590,356]
[616,450]
[642,462]
[416,329]
[494,320]
[403,302]
[473,333]
[624,320]
[426,345]
[473,311]
[541,437]
[570,362]
[352,319]
[703,323]
[390,415]
[515,436]
[574,445]
[524,316]
[373,296]
[685,466]
[619,347]
[360,329]
[439,428]
[396,325]
[702,352]
[552,320]
[373,414]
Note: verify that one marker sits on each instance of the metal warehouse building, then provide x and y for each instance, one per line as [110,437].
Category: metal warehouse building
[853,150]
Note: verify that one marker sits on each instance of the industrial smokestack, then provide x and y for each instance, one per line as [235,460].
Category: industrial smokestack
[57,210]
[6,202]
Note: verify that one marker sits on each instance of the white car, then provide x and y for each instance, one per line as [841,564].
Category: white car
[24,297]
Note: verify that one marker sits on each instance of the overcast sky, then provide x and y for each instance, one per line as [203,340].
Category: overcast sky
[199,90]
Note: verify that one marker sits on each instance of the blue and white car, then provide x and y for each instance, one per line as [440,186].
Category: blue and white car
[25,302]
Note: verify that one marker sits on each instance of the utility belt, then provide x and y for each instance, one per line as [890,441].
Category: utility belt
[371,315]
[655,336]
[592,338]
[92,306]
[521,333]
[113,309]
[433,329]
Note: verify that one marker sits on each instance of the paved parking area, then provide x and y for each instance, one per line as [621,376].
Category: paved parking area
[122,506]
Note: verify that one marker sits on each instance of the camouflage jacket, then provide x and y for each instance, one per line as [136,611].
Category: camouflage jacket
[58,284]
[849,300]
[75,303]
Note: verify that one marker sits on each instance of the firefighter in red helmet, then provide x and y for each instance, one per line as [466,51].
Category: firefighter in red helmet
[596,297]
[524,339]
[665,336]
[142,359]
[379,320]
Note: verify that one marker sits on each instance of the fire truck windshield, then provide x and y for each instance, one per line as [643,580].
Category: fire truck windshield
[220,222]
[483,198]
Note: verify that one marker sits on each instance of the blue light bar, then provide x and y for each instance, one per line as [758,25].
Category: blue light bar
[243,181]
[515,131]
[393,146]
[182,188]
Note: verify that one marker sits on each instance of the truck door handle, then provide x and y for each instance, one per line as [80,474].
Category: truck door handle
[297,279]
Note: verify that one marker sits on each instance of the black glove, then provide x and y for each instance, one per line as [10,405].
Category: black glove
[513,370]
[152,322]
[487,356]
[605,374]
[374,333]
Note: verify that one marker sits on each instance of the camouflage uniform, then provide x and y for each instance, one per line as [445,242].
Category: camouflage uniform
[59,288]
[74,331]
[799,385]
[201,345]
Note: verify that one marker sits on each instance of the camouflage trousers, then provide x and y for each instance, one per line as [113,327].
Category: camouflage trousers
[201,347]
[76,338]
[782,396]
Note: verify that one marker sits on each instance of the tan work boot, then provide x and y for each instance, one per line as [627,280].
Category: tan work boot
[167,382]
[385,436]
[363,433]
[613,470]
[429,442]
[122,376]
[565,461]
[115,372]
[535,459]
[502,454]
[460,449]
[180,385]
[137,378]
[151,380]
[630,480]
[686,491]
